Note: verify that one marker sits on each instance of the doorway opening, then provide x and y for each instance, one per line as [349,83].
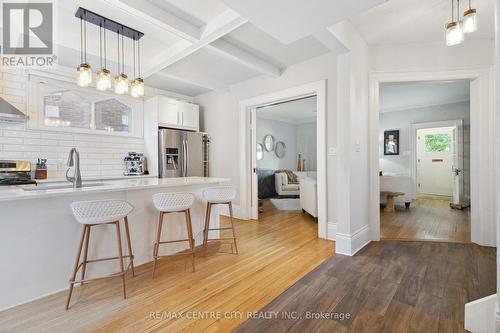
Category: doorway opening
[286,148]
[425,161]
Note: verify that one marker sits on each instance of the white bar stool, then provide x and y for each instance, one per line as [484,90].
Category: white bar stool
[93,213]
[176,202]
[223,195]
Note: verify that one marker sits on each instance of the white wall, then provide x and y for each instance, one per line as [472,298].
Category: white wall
[402,120]
[431,56]
[307,143]
[281,131]
[221,119]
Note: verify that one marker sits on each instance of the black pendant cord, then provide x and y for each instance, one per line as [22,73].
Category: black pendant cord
[100,46]
[105,53]
[85,41]
[123,58]
[452,10]
[139,57]
[118,51]
[134,61]
[81,40]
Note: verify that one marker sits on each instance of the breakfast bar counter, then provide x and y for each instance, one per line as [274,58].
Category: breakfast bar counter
[39,238]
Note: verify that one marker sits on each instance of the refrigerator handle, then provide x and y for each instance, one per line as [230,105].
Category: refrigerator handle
[187,158]
[184,159]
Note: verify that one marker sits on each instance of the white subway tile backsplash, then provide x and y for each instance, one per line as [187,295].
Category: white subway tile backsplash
[101,155]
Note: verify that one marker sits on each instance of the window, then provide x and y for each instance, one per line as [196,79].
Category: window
[57,105]
[67,109]
[437,143]
[112,115]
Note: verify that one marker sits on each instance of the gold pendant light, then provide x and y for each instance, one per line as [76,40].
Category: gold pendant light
[470,20]
[137,86]
[103,77]
[454,33]
[121,80]
[84,71]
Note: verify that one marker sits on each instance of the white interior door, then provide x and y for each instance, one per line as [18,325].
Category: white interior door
[458,164]
[435,161]
[253,140]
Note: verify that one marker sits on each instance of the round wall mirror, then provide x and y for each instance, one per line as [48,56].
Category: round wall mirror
[280,148]
[260,151]
[269,142]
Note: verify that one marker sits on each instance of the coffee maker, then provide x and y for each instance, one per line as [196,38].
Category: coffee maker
[135,164]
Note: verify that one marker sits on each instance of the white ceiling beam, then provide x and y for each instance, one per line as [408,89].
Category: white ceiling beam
[199,81]
[159,17]
[215,29]
[245,58]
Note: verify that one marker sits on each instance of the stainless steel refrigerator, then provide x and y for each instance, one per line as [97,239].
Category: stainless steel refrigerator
[183,153]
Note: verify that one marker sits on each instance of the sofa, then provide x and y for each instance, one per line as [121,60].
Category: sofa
[397,183]
[309,196]
[283,188]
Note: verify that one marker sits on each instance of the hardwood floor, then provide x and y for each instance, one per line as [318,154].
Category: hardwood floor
[390,286]
[428,220]
[275,252]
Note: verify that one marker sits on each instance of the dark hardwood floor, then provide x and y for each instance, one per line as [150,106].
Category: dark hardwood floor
[390,286]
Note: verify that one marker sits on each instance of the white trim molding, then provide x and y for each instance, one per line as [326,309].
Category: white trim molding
[317,88]
[331,232]
[482,122]
[480,315]
[350,244]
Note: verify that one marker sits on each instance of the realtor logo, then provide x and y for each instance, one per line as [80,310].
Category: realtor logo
[27,28]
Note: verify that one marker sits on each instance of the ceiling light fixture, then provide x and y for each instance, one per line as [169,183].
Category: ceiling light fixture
[84,71]
[121,80]
[470,20]
[137,86]
[454,33]
[103,78]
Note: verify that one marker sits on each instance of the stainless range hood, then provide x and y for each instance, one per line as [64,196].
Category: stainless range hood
[10,114]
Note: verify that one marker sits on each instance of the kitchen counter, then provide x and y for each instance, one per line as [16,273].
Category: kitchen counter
[39,236]
[53,189]
[57,180]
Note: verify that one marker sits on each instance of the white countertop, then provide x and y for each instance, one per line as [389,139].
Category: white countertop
[58,180]
[47,190]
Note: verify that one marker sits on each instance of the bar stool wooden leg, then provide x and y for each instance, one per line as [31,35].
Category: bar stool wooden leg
[190,234]
[207,225]
[85,252]
[129,244]
[232,225]
[75,270]
[157,244]
[120,256]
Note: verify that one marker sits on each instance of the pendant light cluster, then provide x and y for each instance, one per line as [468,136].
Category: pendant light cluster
[456,29]
[104,80]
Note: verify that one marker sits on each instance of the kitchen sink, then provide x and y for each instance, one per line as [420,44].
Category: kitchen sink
[59,186]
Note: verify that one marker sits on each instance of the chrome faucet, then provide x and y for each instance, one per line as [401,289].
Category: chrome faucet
[74,161]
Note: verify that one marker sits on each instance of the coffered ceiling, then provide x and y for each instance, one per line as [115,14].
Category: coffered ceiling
[194,46]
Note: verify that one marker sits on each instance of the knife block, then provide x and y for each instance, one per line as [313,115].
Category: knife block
[41,174]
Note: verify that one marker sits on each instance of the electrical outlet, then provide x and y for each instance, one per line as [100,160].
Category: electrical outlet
[60,165]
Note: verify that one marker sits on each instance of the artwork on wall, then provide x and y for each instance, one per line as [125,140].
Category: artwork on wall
[391,142]
[268,142]
[260,151]
[280,148]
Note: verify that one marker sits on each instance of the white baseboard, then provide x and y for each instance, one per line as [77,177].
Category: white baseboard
[350,244]
[224,210]
[480,315]
[331,231]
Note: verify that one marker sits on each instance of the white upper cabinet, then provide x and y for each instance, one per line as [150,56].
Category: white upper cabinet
[177,114]
[190,114]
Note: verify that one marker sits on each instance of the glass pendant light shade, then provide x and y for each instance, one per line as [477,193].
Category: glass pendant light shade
[103,80]
[469,21]
[84,75]
[454,34]
[121,84]
[137,88]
